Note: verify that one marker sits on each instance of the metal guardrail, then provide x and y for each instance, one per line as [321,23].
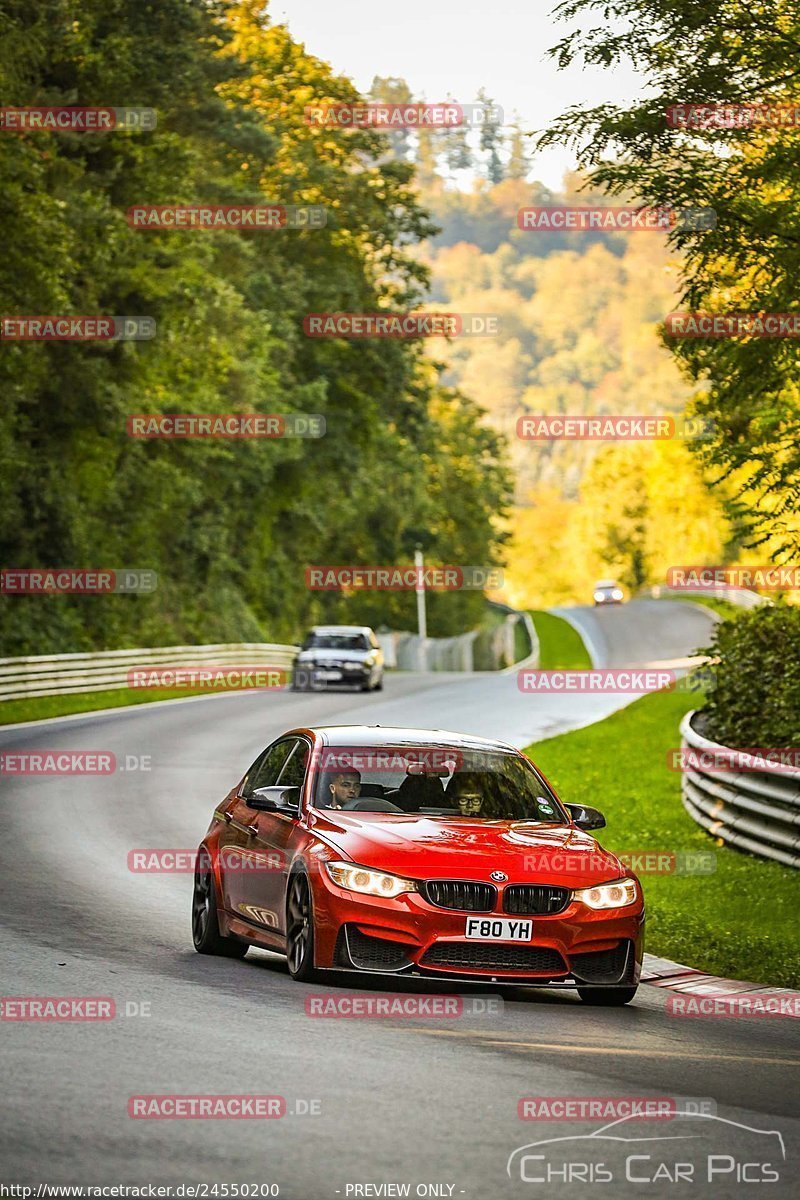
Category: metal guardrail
[107,670]
[64,674]
[754,810]
[741,596]
[410,652]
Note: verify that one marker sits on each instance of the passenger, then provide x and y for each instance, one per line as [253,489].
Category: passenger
[466,793]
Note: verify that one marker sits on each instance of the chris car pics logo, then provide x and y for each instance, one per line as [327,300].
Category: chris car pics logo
[695,1148]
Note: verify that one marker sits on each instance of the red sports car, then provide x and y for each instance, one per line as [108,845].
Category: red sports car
[416,852]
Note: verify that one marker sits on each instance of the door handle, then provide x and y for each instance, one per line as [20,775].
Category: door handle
[252,830]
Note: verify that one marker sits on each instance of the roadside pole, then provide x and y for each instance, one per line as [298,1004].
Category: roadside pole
[422,620]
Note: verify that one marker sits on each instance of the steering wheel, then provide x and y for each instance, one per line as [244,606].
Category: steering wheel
[370,804]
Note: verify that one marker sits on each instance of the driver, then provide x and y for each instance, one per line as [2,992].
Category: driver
[341,787]
[466,792]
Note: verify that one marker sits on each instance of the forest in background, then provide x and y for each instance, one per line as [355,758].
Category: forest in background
[579,334]
[421,446]
[228,526]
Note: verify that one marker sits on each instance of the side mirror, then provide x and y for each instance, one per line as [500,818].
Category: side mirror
[275,799]
[585,817]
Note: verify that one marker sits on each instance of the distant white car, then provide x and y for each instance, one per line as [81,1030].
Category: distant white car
[608,591]
[334,655]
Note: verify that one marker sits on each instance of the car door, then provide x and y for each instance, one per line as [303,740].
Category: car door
[274,844]
[239,848]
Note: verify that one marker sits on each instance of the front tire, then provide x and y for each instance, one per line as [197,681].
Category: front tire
[301,681]
[205,923]
[300,928]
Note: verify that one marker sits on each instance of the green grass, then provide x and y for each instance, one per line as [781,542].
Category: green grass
[725,608]
[38,708]
[522,646]
[561,647]
[740,922]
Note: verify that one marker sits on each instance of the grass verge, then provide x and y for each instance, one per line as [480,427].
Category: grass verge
[739,922]
[725,608]
[39,708]
[561,647]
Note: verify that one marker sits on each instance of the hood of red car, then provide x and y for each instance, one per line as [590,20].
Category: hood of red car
[426,848]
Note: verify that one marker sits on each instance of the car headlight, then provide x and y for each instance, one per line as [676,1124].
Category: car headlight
[609,895]
[617,594]
[599,596]
[372,883]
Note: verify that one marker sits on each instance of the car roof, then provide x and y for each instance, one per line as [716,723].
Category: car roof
[606,583]
[391,735]
[341,629]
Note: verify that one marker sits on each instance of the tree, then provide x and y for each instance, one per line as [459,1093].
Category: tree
[748,175]
[457,150]
[491,139]
[519,158]
[394,90]
[228,526]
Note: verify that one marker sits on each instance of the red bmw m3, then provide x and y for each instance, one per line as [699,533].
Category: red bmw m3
[416,852]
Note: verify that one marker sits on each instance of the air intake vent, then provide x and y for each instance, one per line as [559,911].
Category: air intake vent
[461,894]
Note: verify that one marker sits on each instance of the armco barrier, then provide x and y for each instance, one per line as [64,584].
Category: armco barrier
[743,597]
[757,811]
[410,652]
[63,674]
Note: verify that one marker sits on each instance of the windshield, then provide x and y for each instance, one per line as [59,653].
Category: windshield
[336,641]
[446,783]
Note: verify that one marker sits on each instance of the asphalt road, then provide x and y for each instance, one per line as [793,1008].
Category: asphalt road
[621,635]
[416,1102]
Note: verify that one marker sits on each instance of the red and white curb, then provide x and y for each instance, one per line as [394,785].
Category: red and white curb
[686,981]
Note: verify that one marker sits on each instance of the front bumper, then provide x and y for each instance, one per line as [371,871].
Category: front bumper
[408,935]
[339,676]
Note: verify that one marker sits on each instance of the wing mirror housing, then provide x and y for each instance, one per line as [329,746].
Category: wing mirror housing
[275,799]
[585,817]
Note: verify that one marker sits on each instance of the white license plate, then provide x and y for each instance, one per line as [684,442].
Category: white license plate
[329,674]
[498,929]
